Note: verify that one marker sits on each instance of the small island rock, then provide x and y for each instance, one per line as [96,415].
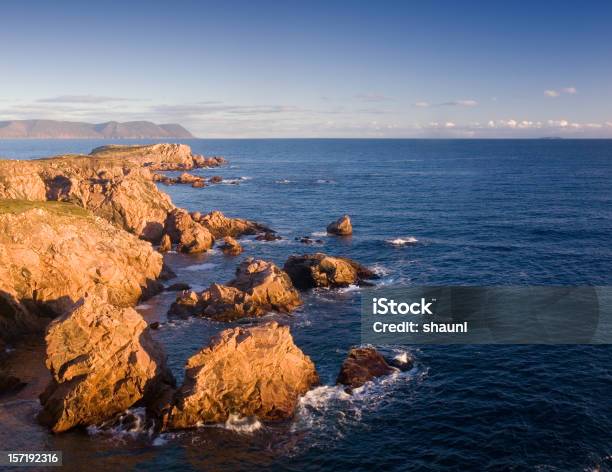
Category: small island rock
[341,227]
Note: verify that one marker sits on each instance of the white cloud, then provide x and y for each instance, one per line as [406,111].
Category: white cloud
[555,93]
[454,103]
[85,99]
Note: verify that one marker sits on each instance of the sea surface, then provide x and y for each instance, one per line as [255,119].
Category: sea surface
[474,212]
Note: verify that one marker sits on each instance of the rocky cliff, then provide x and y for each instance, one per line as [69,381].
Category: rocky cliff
[102,361]
[114,182]
[52,254]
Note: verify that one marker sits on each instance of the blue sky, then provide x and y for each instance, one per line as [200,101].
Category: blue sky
[314,69]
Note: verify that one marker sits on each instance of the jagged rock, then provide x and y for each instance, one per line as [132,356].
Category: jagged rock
[268,236]
[165,244]
[230,246]
[255,371]
[220,225]
[320,270]
[362,365]
[158,156]
[198,184]
[187,178]
[341,227]
[102,361]
[309,240]
[117,191]
[215,179]
[259,287]
[190,236]
[52,253]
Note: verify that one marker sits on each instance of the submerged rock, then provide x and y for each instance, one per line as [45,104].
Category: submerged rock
[258,288]
[215,179]
[362,365]
[190,236]
[341,227]
[220,225]
[102,361]
[320,270]
[268,236]
[177,287]
[256,371]
[9,383]
[230,246]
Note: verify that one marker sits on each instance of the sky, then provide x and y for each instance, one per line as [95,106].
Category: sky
[355,69]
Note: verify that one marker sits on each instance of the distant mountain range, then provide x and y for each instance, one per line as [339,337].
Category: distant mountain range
[49,129]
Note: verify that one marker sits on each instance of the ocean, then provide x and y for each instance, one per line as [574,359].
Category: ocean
[475,212]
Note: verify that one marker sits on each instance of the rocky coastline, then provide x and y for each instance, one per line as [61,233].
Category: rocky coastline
[82,242]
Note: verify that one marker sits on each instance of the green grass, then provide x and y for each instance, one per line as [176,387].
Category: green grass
[59,208]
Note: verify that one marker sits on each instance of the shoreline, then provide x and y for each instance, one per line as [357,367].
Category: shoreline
[113,189]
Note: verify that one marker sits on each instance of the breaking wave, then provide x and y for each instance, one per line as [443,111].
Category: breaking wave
[402,241]
[204,266]
[328,412]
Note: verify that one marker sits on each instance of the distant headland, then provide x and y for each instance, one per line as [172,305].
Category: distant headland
[50,129]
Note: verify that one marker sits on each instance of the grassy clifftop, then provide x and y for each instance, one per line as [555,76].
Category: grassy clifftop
[16,207]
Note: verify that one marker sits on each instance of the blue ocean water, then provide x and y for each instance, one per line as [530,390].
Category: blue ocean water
[520,212]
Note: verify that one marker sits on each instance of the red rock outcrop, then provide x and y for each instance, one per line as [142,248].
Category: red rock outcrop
[362,365]
[230,246]
[220,225]
[190,235]
[102,361]
[320,270]
[184,178]
[258,288]
[120,192]
[52,253]
[341,227]
[256,371]
[159,156]
[165,244]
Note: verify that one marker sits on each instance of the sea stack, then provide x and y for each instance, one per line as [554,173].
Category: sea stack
[341,227]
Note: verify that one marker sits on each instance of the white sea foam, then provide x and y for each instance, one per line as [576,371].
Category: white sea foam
[132,423]
[143,306]
[331,410]
[349,288]
[325,181]
[283,181]
[243,425]
[160,440]
[244,178]
[402,241]
[380,270]
[319,234]
[402,358]
[203,266]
